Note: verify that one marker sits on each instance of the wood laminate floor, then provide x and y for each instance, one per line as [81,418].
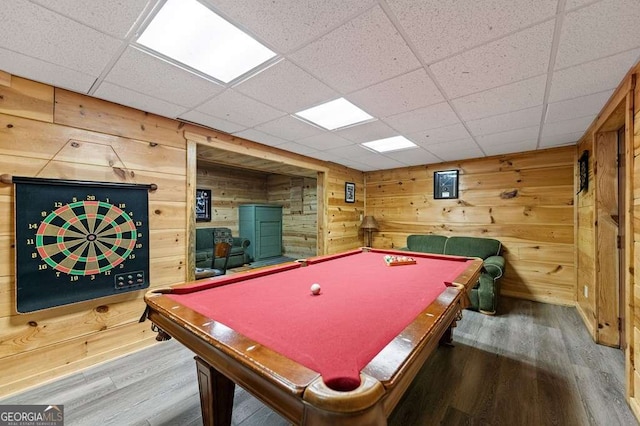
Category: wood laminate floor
[533,364]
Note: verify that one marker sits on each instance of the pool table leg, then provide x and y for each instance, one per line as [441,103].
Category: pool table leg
[216,395]
[447,337]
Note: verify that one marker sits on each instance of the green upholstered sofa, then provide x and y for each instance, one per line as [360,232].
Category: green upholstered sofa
[484,296]
[206,237]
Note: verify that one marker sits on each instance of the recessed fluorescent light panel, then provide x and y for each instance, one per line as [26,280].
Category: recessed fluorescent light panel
[394,143]
[191,33]
[335,114]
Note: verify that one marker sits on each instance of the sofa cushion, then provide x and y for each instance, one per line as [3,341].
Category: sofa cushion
[472,247]
[222,235]
[426,243]
[204,239]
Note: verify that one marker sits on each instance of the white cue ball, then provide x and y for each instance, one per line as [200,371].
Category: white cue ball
[315,289]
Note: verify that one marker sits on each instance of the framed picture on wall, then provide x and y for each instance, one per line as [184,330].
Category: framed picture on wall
[445,184]
[583,164]
[203,205]
[350,192]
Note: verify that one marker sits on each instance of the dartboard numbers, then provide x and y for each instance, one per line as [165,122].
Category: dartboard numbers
[73,241]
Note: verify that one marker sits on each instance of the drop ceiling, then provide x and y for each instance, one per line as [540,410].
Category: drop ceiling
[461,79]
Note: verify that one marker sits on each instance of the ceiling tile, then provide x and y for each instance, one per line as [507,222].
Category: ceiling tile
[510,148]
[572,4]
[44,72]
[213,122]
[431,117]
[441,28]
[399,94]
[413,156]
[367,132]
[381,162]
[510,121]
[516,96]
[508,60]
[439,135]
[561,139]
[359,155]
[111,17]
[37,32]
[352,152]
[456,150]
[509,137]
[592,77]
[286,24]
[357,166]
[567,126]
[297,148]
[287,88]
[142,72]
[289,128]
[597,31]
[328,156]
[124,96]
[360,53]
[579,107]
[260,137]
[324,141]
[235,107]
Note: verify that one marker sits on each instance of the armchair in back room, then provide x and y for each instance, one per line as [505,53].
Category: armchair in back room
[207,237]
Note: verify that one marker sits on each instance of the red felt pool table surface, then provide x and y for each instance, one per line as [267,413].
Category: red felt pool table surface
[368,321]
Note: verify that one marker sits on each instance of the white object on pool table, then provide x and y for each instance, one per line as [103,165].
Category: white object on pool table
[315,289]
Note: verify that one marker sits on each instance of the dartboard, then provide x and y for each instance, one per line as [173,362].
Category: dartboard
[86,237]
[78,241]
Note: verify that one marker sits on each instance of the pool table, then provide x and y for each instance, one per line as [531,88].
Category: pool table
[343,356]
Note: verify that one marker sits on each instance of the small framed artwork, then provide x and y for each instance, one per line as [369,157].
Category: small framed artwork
[583,162]
[349,192]
[445,184]
[203,205]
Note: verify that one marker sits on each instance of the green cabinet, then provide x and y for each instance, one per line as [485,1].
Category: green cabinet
[261,224]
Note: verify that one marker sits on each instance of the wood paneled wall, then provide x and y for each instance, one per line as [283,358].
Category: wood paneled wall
[585,243]
[524,200]
[76,140]
[297,195]
[230,188]
[298,198]
[54,133]
[596,220]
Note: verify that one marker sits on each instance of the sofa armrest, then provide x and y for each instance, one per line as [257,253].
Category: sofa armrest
[494,266]
[241,242]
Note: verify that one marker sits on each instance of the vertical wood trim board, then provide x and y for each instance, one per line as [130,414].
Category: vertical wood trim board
[607,279]
[190,209]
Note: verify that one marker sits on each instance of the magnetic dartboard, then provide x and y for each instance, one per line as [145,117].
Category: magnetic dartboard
[77,241]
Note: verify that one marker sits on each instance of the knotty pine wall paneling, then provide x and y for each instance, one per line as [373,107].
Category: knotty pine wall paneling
[585,242]
[338,221]
[525,200]
[632,320]
[52,133]
[594,217]
[229,189]
[298,198]
[607,253]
